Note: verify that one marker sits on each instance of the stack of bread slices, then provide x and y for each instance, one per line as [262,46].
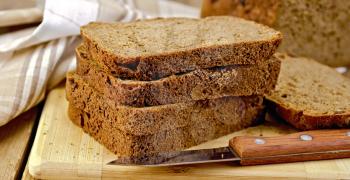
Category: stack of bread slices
[160,85]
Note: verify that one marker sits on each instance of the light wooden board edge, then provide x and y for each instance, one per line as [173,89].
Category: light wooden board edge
[26,175]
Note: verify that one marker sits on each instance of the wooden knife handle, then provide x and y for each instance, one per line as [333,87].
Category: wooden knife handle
[302,146]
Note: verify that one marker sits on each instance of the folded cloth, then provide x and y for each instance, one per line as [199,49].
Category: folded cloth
[20,16]
[36,59]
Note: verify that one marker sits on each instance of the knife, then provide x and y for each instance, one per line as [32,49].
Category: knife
[249,150]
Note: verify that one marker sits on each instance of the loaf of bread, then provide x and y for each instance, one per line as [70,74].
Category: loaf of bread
[318,29]
[310,95]
[233,80]
[156,86]
[150,120]
[157,48]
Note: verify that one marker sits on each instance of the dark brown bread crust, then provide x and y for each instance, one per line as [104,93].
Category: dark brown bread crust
[153,67]
[149,120]
[309,122]
[239,80]
[261,11]
[138,148]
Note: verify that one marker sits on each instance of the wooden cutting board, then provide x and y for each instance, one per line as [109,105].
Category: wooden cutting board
[62,150]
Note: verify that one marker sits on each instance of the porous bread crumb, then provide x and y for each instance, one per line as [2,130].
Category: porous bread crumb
[311,95]
[156,48]
[149,120]
[200,84]
[139,147]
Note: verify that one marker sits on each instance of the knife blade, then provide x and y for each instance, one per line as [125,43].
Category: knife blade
[221,154]
[248,150]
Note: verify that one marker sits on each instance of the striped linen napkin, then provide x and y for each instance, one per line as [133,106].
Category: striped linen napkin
[34,60]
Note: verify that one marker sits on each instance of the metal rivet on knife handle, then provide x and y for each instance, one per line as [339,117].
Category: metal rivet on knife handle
[348,133]
[306,137]
[259,141]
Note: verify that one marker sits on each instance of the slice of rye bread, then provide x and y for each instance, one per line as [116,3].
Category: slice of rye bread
[201,129]
[149,120]
[235,80]
[310,95]
[156,48]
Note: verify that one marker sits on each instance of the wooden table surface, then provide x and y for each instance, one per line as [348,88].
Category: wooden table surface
[15,142]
